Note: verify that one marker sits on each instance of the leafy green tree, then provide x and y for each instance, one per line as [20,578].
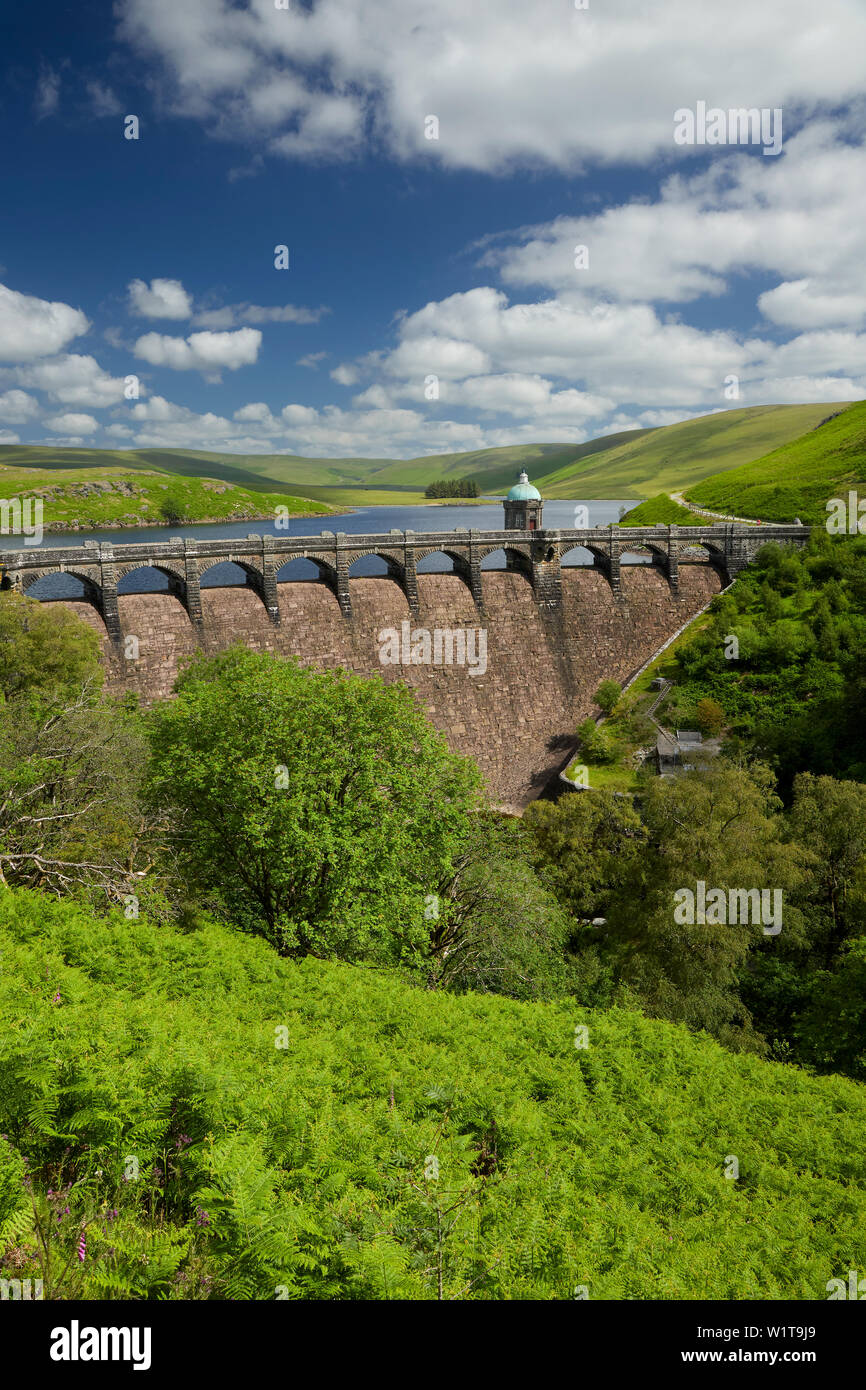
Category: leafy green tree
[831,1033]
[594,745]
[174,506]
[582,847]
[710,716]
[828,819]
[498,930]
[607,696]
[44,648]
[721,825]
[70,819]
[318,808]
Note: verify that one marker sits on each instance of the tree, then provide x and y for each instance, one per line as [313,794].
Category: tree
[607,696]
[174,506]
[710,717]
[44,648]
[593,743]
[317,808]
[70,768]
[831,1033]
[828,819]
[720,825]
[498,930]
[581,846]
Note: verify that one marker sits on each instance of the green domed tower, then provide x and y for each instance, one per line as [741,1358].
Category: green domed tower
[523,506]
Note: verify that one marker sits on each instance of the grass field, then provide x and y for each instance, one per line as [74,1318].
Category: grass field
[797,479]
[82,499]
[661,509]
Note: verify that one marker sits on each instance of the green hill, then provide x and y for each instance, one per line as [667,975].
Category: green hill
[337,481]
[661,509]
[496,469]
[799,478]
[632,464]
[676,456]
[83,499]
[238,1124]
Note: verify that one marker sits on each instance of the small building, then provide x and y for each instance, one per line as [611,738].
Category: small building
[683,751]
[523,506]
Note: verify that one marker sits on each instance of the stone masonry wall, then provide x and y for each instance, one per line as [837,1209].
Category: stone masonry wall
[517,720]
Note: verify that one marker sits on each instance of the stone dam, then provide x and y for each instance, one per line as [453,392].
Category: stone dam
[552,632]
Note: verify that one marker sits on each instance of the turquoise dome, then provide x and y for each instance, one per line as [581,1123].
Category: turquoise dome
[523,491]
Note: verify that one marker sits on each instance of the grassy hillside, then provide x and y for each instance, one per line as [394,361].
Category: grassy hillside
[339,481]
[661,509]
[677,456]
[631,464]
[496,469]
[216,1156]
[797,479]
[83,499]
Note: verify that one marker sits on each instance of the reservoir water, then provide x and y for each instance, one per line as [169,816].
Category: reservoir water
[365,520]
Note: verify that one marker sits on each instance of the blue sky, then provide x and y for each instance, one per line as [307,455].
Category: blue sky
[432,302]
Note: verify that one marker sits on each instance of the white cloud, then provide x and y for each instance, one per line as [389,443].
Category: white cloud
[161,299]
[159,423]
[804,304]
[72,423]
[509,80]
[229,315]
[102,100]
[257,413]
[623,353]
[345,375]
[70,379]
[17,407]
[702,233]
[47,97]
[202,352]
[441,354]
[66,441]
[31,327]
[8,437]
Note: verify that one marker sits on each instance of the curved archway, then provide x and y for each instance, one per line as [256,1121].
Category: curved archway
[226,574]
[443,561]
[302,570]
[51,584]
[697,553]
[577,556]
[506,557]
[436,562]
[150,579]
[377,564]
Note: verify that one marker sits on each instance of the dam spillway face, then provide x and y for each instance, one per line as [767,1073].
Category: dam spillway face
[517,717]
